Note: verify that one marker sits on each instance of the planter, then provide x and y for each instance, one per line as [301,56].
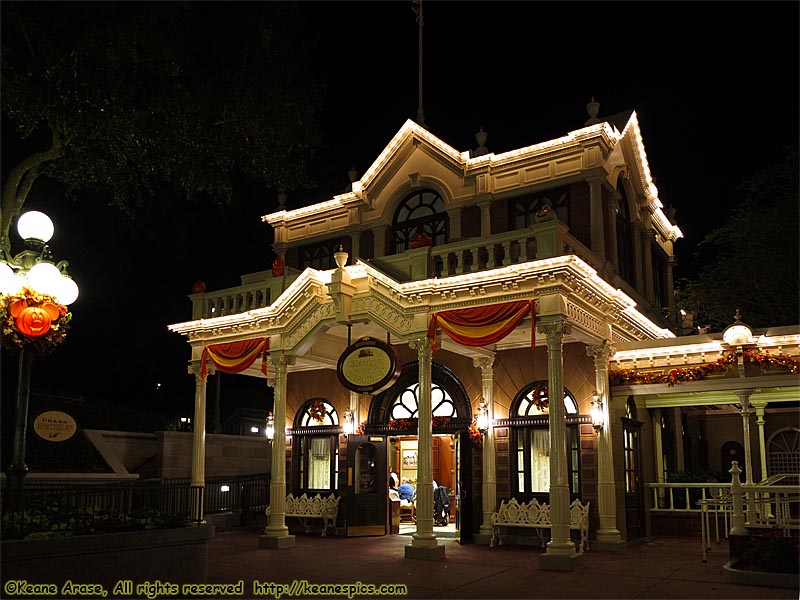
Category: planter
[764,578]
[174,555]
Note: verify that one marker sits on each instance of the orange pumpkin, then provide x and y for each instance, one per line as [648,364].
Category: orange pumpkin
[33,321]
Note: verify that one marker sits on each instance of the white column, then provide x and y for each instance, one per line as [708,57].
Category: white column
[276,534]
[608,535]
[598,239]
[744,398]
[760,405]
[199,435]
[560,548]
[658,443]
[489,486]
[423,542]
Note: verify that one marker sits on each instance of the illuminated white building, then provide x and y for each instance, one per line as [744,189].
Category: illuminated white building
[574,226]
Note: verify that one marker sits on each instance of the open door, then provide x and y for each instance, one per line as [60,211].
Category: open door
[463,487]
[367,485]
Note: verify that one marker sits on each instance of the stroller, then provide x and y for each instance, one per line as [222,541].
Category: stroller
[441,506]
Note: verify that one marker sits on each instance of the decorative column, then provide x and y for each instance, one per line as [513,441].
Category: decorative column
[489,486]
[379,240]
[199,437]
[454,220]
[276,534]
[760,405]
[608,536]
[423,542]
[613,209]
[638,274]
[486,218]
[647,258]
[744,398]
[561,554]
[598,239]
[677,438]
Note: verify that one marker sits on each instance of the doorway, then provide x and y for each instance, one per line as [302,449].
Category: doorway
[367,485]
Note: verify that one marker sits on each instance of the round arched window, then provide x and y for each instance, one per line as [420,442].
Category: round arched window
[420,213]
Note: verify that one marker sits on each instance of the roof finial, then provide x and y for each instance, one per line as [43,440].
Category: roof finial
[481,137]
[592,108]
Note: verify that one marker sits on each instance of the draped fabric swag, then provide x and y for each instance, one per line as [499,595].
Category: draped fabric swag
[482,325]
[235,357]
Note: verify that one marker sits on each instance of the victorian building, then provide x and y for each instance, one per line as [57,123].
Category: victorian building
[449,283]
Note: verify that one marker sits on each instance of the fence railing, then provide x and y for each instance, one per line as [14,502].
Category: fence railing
[48,510]
[58,510]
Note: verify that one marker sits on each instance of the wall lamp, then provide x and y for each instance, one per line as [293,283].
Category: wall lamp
[269,430]
[347,429]
[598,418]
[483,418]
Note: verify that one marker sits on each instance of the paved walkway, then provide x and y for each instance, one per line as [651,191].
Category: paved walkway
[650,568]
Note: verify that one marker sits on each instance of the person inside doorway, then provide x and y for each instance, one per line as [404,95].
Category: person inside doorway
[405,489]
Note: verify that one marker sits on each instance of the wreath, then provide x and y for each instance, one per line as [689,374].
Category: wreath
[475,435]
[317,411]
[539,397]
[34,321]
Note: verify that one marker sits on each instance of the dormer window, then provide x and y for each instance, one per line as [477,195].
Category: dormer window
[420,213]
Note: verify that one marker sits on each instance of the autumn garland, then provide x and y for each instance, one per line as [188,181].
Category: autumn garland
[411,423]
[41,345]
[763,359]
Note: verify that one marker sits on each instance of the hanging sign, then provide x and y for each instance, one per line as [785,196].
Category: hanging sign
[368,366]
[55,426]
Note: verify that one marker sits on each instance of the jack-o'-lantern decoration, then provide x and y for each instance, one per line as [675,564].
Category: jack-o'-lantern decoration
[277,267]
[33,321]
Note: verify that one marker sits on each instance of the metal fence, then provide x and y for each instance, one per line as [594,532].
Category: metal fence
[53,510]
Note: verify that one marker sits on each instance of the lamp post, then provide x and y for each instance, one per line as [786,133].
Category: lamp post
[34,295]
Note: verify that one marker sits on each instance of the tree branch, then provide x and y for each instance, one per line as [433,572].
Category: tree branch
[19,182]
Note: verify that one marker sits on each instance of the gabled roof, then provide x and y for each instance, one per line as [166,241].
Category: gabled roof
[608,132]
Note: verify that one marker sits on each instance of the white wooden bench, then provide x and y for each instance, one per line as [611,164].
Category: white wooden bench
[318,507]
[534,515]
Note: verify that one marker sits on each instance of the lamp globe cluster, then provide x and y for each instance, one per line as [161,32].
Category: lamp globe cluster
[33,267]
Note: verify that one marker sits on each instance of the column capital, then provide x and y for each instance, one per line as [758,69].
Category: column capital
[483,362]
[744,396]
[420,344]
[601,352]
[281,360]
[194,368]
[554,329]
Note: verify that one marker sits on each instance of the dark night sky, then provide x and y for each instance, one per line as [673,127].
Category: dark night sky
[715,86]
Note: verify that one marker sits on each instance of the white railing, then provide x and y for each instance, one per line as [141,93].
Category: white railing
[683,497]
[239,299]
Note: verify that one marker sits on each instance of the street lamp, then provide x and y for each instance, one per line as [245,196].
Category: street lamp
[34,295]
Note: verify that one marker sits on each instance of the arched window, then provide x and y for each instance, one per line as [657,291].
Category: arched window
[406,407]
[400,401]
[420,213]
[783,454]
[316,454]
[624,237]
[531,442]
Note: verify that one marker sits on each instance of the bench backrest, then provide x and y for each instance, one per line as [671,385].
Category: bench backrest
[327,506]
[536,513]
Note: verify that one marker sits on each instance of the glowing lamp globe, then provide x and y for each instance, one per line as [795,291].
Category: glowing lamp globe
[8,281]
[45,278]
[35,225]
[67,291]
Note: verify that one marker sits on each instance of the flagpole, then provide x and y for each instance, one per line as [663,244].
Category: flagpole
[420,112]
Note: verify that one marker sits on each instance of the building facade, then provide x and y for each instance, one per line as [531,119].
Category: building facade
[484,283]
